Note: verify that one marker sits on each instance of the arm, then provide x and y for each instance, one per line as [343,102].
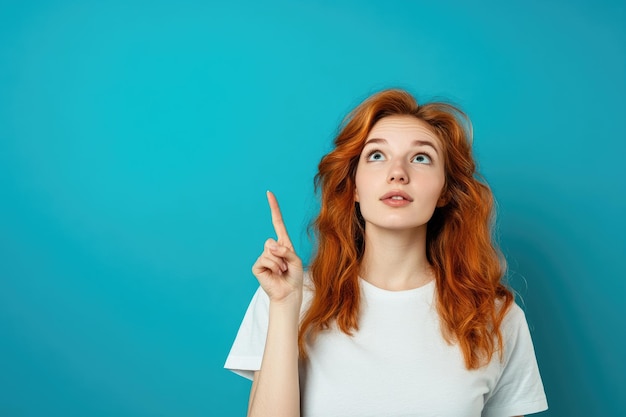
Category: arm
[275,389]
[255,378]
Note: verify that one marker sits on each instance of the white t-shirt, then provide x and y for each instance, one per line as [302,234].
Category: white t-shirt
[398,364]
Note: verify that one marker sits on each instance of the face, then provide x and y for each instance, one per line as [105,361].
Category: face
[400,175]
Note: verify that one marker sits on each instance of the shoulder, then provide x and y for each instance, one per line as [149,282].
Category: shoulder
[518,389]
[513,317]
[516,334]
[514,329]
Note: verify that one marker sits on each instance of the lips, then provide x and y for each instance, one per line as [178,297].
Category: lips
[396,196]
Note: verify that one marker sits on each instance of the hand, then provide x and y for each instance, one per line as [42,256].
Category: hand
[279,269]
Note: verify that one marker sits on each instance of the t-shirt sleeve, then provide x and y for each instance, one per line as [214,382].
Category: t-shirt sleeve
[246,352]
[519,389]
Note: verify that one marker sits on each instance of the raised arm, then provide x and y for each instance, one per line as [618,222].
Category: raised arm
[276,390]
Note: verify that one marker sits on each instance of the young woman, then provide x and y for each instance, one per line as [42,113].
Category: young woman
[402,311]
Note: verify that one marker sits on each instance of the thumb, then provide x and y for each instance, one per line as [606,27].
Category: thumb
[288,254]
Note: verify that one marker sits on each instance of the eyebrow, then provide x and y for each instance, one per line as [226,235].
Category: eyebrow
[414,143]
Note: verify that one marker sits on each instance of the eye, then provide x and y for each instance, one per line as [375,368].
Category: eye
[422,158]
[375,156]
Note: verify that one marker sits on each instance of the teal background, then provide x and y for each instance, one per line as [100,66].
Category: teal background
[137,139]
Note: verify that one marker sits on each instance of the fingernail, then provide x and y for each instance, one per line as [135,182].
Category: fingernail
[273,246]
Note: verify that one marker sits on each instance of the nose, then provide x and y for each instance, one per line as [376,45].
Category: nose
[398,173]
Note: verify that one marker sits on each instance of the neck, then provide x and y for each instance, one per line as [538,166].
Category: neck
[396,260]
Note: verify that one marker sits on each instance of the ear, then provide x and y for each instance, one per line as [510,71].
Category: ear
[356,195]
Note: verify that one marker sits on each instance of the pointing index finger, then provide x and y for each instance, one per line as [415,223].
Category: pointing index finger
[277,220]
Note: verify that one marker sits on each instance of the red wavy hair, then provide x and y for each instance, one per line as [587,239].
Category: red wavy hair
[468,267]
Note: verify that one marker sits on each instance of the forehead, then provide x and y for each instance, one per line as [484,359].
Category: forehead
[403,127]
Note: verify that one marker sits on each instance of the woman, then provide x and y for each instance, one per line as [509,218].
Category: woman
[402,311]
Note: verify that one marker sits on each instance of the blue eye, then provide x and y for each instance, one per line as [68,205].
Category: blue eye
[375,156]
[422,158]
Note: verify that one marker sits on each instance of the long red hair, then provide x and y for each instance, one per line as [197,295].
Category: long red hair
[471,299]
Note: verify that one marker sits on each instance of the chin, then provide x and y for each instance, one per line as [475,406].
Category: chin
[398,226]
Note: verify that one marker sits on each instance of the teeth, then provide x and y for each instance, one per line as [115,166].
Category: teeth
[397,197]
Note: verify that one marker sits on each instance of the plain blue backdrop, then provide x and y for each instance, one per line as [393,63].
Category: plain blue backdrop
[137,139]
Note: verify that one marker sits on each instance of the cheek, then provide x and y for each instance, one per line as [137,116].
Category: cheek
[359,183]
[436,190]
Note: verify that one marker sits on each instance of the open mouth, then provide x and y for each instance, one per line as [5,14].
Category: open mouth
[397,196]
